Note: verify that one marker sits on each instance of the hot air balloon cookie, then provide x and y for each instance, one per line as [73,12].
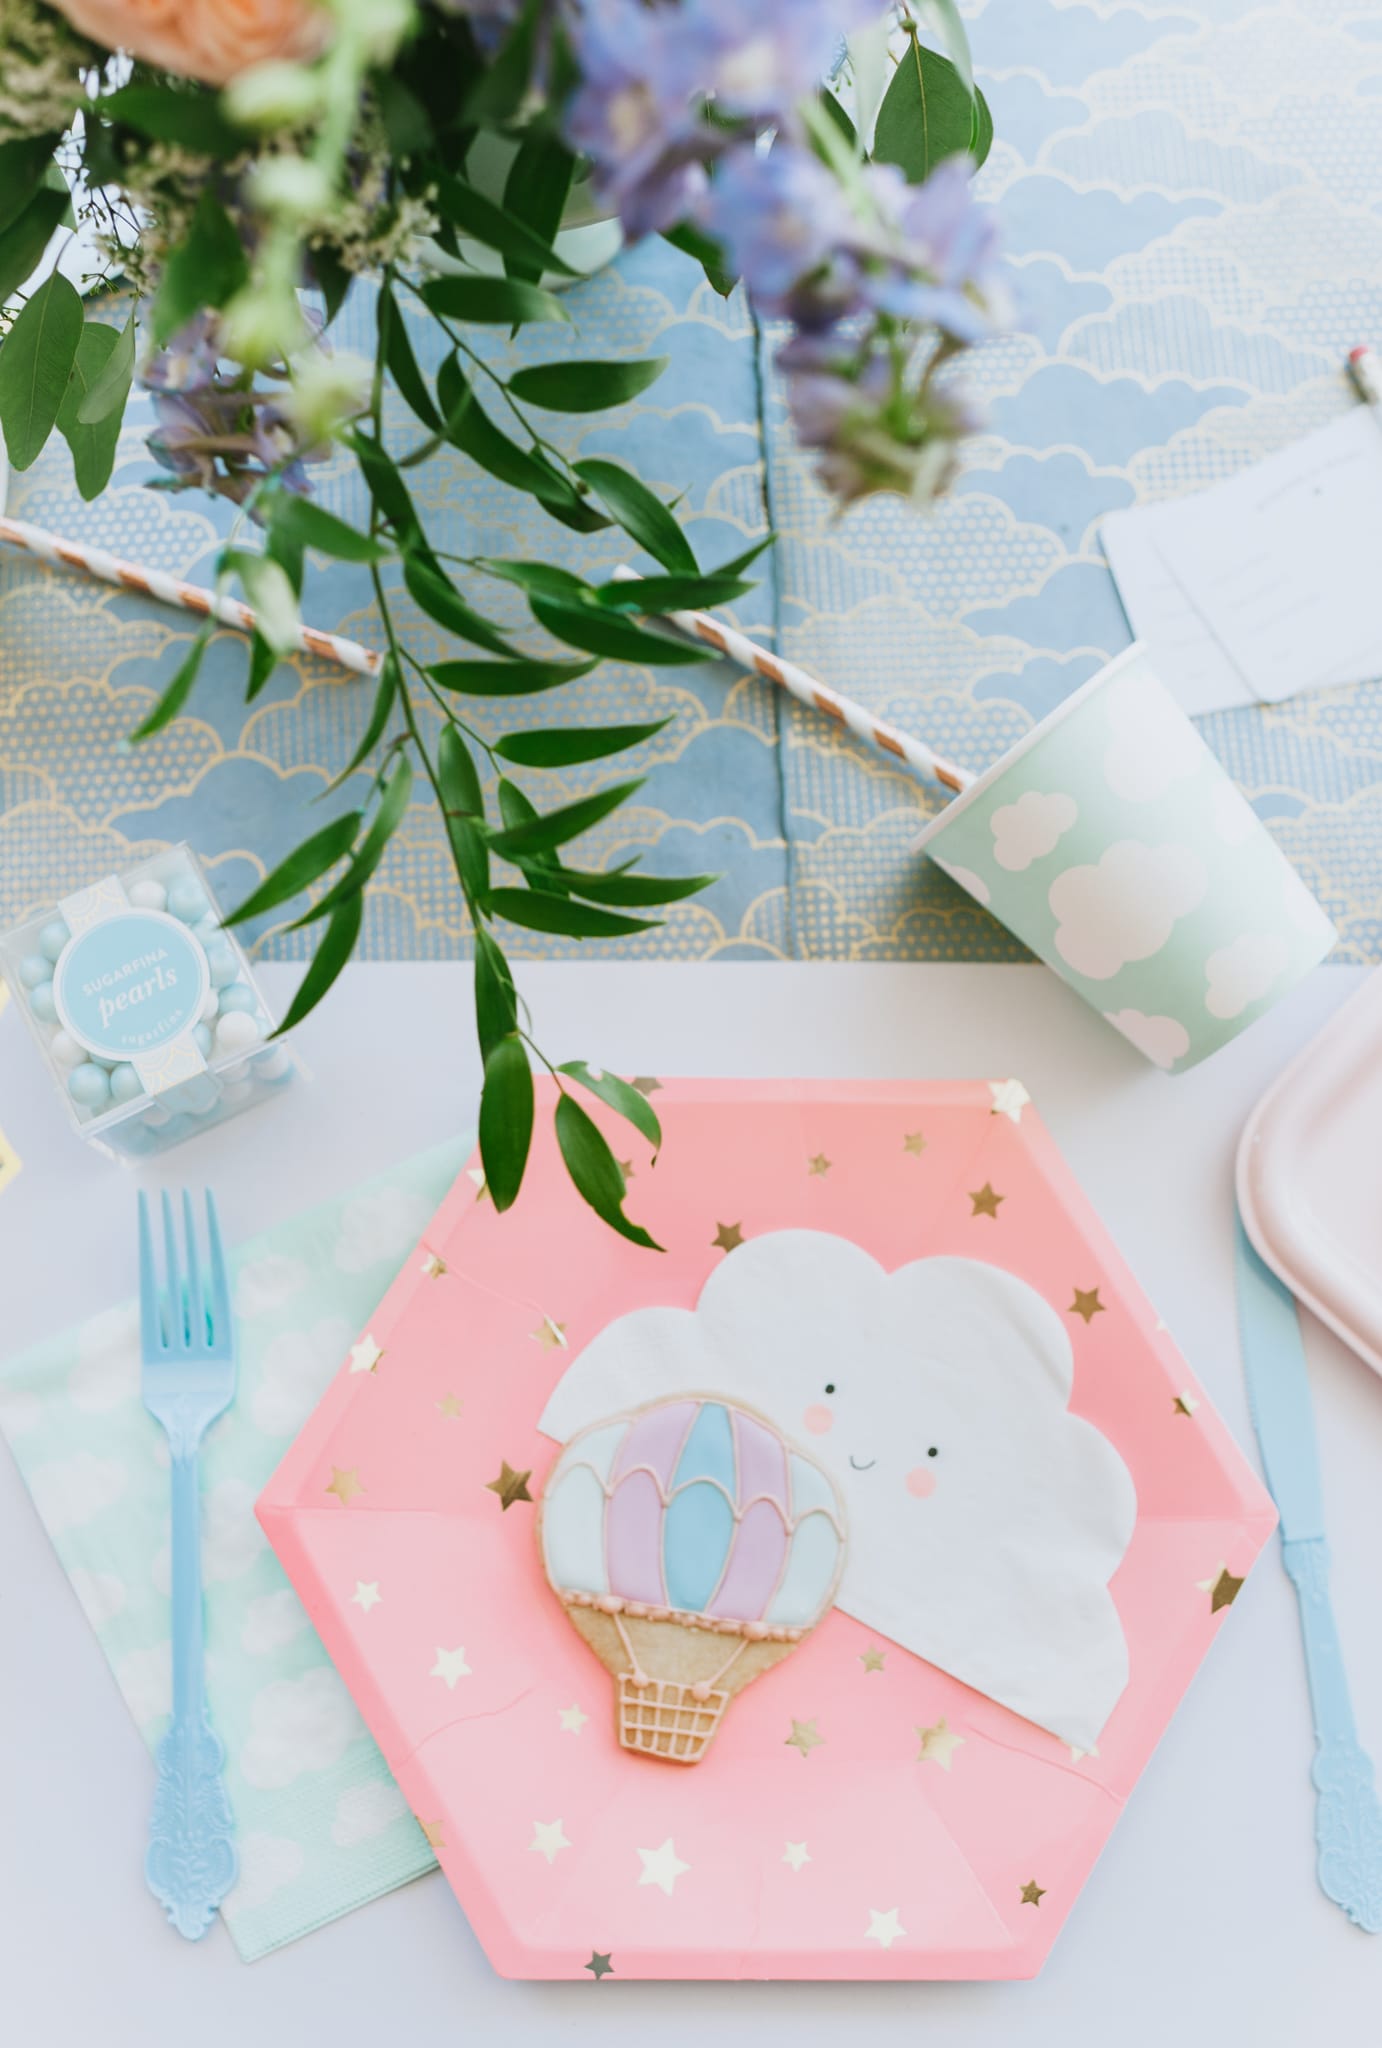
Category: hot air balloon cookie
[693,1547]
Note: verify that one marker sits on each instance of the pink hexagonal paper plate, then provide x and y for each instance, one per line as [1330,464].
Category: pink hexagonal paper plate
[923,1782]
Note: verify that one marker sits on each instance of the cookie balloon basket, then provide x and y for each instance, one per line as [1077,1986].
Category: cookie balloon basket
[692,1547]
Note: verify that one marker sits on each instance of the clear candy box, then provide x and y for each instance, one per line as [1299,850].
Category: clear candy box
[144,1007]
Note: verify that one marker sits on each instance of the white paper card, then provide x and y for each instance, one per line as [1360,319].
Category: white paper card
[1267,584]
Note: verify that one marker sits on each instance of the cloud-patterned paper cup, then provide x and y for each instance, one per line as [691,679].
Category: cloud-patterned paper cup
[1111,842]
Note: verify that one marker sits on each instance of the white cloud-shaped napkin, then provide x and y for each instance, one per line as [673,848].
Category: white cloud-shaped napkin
[991,1559]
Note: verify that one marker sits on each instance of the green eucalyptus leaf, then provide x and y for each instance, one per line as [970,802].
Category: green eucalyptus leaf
[24,241]
[470,428]
[484,221]
[621,1096]
[656,594]
[435,593]
[463,810]
[458,775]
[403,365]
[835,110]
[389,492]
[595,1172]
[640,512]
[35,364]
[942,17]
[538,911]
[206,268]
[544,577]
[187,115]
[310,525]
[111,389]
[703,250]
[535,192]
[609,633]
[555,828]
[331,278]
[405,119]
[385,697]
[177,692]
[393,805]
[492,301]
[270,592]
[506,1118]
[981,140]
[263,662]
[585,386]
[634,892]
[496,1005]
[567,746]
[737,564]
[93,447]
[501,87]
[927,114]
[304,865]
[505,678]
[23,162]
[338,943]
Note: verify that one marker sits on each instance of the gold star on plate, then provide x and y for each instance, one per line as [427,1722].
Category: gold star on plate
[365,1355]
[345,1485]
[549,1336]
[1185,1404]
[1032,1893]
[804,1736]
[572,1719]
[432,1830]
[449,1406]
[366,1594]
[1010,1098]
[728,1237]
[938,1744]
[1086,1304]
[599,1966]
[818,1164]
[913,1142]
[510,1486]
[645,1084]
[432,1267]
[626,1168]
[985,1200]
[477,1174]
[1222,1591]
[872,1658]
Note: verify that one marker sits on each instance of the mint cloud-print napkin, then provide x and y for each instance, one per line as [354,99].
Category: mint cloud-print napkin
[322,1826]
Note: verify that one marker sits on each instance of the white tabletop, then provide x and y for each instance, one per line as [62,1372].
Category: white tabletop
[1202,1922]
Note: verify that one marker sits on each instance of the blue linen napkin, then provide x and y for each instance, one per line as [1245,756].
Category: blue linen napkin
[322,1826]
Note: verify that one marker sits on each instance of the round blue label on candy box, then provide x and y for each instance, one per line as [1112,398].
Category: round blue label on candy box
[130,983]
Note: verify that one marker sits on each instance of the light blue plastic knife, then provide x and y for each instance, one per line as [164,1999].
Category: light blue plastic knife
[1348,1817]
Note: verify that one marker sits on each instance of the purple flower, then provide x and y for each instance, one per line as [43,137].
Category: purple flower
[633,113]
[786,228]
[758,59]
[941,266]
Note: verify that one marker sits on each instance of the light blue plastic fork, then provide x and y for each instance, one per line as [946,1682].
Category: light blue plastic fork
[188,1343]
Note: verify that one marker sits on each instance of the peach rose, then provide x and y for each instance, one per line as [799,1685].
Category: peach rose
[208,39]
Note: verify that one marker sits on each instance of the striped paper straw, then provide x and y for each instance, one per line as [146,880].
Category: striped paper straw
[188,597]
[817,695]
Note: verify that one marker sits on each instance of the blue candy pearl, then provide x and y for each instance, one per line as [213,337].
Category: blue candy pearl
[53,938]
[202,1037]
[89,1085]
[208,929]
[125,1084]
[42,1004]
[237,997]
[187,900]
[221,962]
[34,968]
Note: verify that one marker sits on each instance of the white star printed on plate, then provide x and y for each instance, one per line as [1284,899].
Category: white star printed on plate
[549,1839]
[1010,1098]
[662,1867]
[885,1928]
[365,1355]
[572,1719]
[366,1594]
[795,1854]
[450,1665]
